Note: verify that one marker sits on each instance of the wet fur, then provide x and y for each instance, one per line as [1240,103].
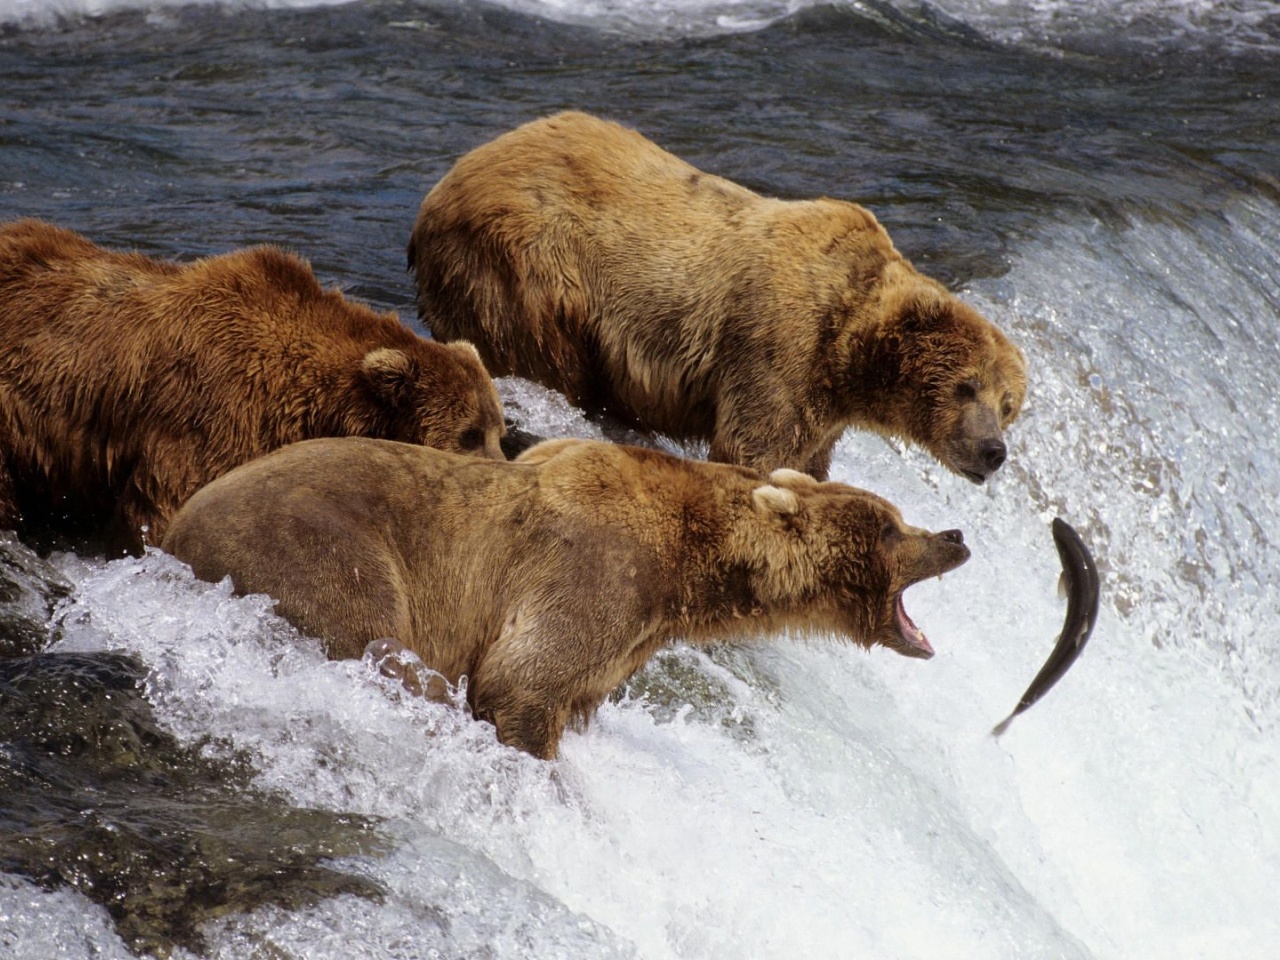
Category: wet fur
[127,383]
[577,253]
[550,580]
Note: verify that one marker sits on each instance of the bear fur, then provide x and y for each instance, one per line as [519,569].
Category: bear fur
[549,580]
[576,253]
[127,383]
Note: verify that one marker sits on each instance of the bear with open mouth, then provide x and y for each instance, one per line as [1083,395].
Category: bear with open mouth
[549,580]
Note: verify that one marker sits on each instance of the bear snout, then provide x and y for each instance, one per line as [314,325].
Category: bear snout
[945,552]
[977,459]
[992,453]
[975,448]
[928,555]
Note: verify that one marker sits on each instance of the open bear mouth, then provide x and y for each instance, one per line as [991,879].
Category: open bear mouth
[914,642]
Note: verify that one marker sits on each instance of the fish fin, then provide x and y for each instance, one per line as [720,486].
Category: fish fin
[1063,585]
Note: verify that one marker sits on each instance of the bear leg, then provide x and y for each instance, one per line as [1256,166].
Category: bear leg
[525,724]
[512,693]
[765,431]
[546,667]
[135,523]
[820,463]
[516,699]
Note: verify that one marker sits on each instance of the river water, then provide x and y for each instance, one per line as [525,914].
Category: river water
[1100,178]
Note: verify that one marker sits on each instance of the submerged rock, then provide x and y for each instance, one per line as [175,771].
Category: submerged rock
[94,795]
[681,681]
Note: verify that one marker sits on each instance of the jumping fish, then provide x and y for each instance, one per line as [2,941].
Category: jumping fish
[1081,577]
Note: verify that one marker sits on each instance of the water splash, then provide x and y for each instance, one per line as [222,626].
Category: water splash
[1150,419]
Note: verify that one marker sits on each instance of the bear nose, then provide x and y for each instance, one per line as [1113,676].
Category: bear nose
[993,453]
[952,536]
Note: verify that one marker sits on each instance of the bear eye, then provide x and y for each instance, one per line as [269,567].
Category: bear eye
[1006,409]
[967,390]
[472,439]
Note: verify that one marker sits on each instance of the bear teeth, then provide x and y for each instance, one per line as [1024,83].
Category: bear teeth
[910,633]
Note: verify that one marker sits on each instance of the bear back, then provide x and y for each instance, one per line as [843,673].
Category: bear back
[126,382]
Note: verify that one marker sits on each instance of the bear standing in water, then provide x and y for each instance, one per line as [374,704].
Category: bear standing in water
[550,580]
[576,253]
[128,383]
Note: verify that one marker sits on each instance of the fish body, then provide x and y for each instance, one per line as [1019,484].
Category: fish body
[1080,576]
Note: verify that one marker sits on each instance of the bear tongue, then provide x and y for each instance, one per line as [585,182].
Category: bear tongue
[912,636]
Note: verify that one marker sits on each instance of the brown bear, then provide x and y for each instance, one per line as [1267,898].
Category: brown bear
[128,383]
[576,253]
[549,580]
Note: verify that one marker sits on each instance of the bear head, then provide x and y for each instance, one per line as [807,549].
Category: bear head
[436,395]
[845,559]
[946,378]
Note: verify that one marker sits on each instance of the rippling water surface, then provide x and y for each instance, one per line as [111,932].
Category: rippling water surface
[1100,179]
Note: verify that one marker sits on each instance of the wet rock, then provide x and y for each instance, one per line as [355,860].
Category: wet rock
[96,796]
[680,681]
[29,590]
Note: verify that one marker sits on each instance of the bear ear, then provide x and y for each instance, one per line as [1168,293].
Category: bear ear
[926,315]
[390,373]
[467,347]
[792,478]
[774,501]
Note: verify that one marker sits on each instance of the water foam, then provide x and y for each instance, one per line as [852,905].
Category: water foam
[1151,25]
[1230,26]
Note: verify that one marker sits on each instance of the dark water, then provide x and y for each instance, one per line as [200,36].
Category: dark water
[200,130]
[1106,187]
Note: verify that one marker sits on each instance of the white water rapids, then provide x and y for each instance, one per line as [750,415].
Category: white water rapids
[797,798]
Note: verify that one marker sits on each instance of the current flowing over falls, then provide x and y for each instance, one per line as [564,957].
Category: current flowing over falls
[1105,193]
